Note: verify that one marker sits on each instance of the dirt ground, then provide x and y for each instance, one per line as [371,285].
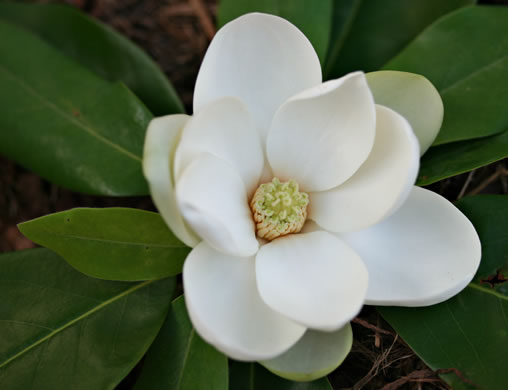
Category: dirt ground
[176,34]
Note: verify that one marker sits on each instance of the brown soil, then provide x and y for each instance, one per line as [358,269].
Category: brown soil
[176,33]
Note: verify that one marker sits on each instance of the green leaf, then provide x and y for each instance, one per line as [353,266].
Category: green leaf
[457,55]
[252,376]
[63,330]
[452,159]
[366,34]
[99,48]
[313,18]
[315,355]
[180,360]
[66,124]
[489,215]
[469,332]
[111,243]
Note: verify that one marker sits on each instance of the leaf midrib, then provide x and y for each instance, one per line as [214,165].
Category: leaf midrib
[69,117]
[472,74]
[341,40]
[76,320]
[185,357]
[108,241]
[488,291]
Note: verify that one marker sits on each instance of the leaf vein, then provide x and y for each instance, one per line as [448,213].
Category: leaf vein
[76,320]
[473,74]
[27,323]
[459,327]
[51,288]
[109,241]
[185,358]
[488,291]
[69,117]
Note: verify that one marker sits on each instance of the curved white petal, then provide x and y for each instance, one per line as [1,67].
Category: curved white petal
[423,254]
[161,141]
[212,199]
[315,355]
[312,278]
[226,310]
[322,136]
[261,59]
[381,184]
[225,129]
[412,96]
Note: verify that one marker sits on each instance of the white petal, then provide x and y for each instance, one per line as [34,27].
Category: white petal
[312,278]
[225,129]
[322,136]
[261,59]
[226,310]
[412,96]
[423,254]
[161,140]
[212,199]
[315,355]
[381,184]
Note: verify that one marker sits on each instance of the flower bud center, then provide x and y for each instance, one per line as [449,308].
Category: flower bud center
[278,209]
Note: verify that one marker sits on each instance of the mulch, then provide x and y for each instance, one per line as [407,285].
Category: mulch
[176,34]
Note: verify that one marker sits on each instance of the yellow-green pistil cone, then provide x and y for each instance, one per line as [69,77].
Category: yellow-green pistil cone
[279,209]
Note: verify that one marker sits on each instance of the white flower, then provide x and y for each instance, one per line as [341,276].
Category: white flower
[261,111]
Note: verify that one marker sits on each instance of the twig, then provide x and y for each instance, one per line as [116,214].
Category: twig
[459,374]
[374,370]
[501,171]
[466,184]
[418,375]
[374,328]
[204,18]
[377,335]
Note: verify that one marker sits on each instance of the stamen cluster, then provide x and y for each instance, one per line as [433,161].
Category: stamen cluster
[278,208]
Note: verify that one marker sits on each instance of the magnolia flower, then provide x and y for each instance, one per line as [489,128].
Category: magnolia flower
[297,196]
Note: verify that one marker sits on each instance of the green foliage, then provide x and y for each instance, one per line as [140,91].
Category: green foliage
[489,215]
[67,115]
[465,56]
[111,243]
[468,332]
[452,159]
[180,360]
[63,122]
[63,330]
[252,376]
[366,34]
[99,48]
[313,18]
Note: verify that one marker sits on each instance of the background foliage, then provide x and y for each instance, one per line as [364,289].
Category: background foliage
[76,116]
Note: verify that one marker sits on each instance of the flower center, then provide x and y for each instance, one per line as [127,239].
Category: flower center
[279,209]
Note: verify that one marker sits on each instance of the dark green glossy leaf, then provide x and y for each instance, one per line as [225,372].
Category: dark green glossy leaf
[252,376]
[458,56]
[313,18]
[180,360]
[99,48]
[469,332]
[366,34]
[489,215]
[112,243]
[61,329]
[452,159]
[65,123]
